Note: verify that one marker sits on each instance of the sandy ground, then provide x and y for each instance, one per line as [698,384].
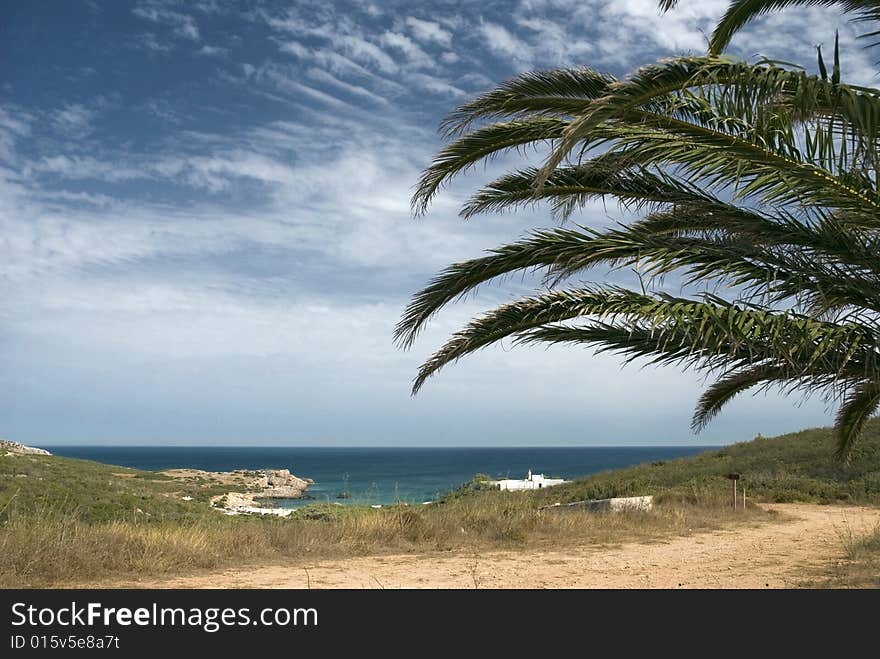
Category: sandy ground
[781,553]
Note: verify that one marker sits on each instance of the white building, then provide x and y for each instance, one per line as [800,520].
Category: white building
[530,482]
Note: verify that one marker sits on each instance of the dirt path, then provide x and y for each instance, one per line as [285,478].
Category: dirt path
[777,554]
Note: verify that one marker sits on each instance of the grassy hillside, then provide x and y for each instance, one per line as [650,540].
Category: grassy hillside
[95,492]
[795,467]
[66,521]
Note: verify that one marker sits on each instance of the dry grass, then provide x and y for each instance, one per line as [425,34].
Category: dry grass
[52,549]
[861,565]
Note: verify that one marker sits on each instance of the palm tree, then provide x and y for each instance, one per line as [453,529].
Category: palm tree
[755,183]
[741,12]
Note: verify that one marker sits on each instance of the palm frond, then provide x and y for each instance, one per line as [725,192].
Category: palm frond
[541,249]
[724,390]
[559,92]
[611,174]
[853,414]
[738,135]
[741,12]
[480,144]
[753,180]
[715,332]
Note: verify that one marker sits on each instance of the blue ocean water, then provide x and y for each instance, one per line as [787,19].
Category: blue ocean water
[383,475]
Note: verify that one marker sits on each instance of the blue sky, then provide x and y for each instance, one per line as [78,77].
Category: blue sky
[206,235]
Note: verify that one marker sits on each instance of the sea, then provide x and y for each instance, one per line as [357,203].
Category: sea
[378,476]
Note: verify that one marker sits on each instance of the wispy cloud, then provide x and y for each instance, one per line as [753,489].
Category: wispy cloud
[242,234]
[365,52]
[323,76]
[287,80]
[415,56]
[150,42]
[295,48]
[211,51]
[73,120]
[14,125]
[344,37]
[429,31]
[434,85]
[343,66]
[183,25]
[500,41]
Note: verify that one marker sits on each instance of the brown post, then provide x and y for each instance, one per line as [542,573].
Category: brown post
[735,478]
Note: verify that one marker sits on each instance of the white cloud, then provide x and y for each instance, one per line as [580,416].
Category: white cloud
[73,120]
[13,126]
[15,122]
[477,81]
[415,56]
[53,197]
[365,52]
[682,29]
[321,75]
[429,32]
[149,41]
[552,41]
[502,42]
[372,9]
[434,85]
[211,51]
[206,6]
[163,109]
[341,65]
[213,173]
[295,48]
[286,81]
[74,167]
[183,25]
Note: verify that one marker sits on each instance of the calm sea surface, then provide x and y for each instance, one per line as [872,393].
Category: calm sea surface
[383,475]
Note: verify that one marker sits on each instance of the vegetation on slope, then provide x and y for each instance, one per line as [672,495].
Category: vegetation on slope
[95,492]
[794,467]
[66,521]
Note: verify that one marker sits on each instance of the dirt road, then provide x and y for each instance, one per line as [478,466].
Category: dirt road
[780,553]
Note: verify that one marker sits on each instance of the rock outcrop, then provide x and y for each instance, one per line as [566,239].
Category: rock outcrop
[280,484]
[258,485]
[14,448]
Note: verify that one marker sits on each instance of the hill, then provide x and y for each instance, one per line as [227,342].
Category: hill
[798,466]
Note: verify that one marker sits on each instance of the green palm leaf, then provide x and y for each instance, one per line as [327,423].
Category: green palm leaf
[755,188]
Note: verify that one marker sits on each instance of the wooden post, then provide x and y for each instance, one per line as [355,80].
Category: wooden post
[744,497]
[735,478]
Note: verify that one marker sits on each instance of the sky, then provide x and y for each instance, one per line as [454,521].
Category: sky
[205,234]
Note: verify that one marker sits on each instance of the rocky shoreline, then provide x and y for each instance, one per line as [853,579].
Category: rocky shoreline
[14,448]
[251,491]
[260,486]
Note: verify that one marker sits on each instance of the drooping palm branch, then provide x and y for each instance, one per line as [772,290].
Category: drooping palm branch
[740,12]
[752,179]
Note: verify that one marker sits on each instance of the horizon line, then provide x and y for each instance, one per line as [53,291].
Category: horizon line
[387,446]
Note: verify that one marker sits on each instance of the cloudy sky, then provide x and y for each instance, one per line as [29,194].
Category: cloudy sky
[205,234]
